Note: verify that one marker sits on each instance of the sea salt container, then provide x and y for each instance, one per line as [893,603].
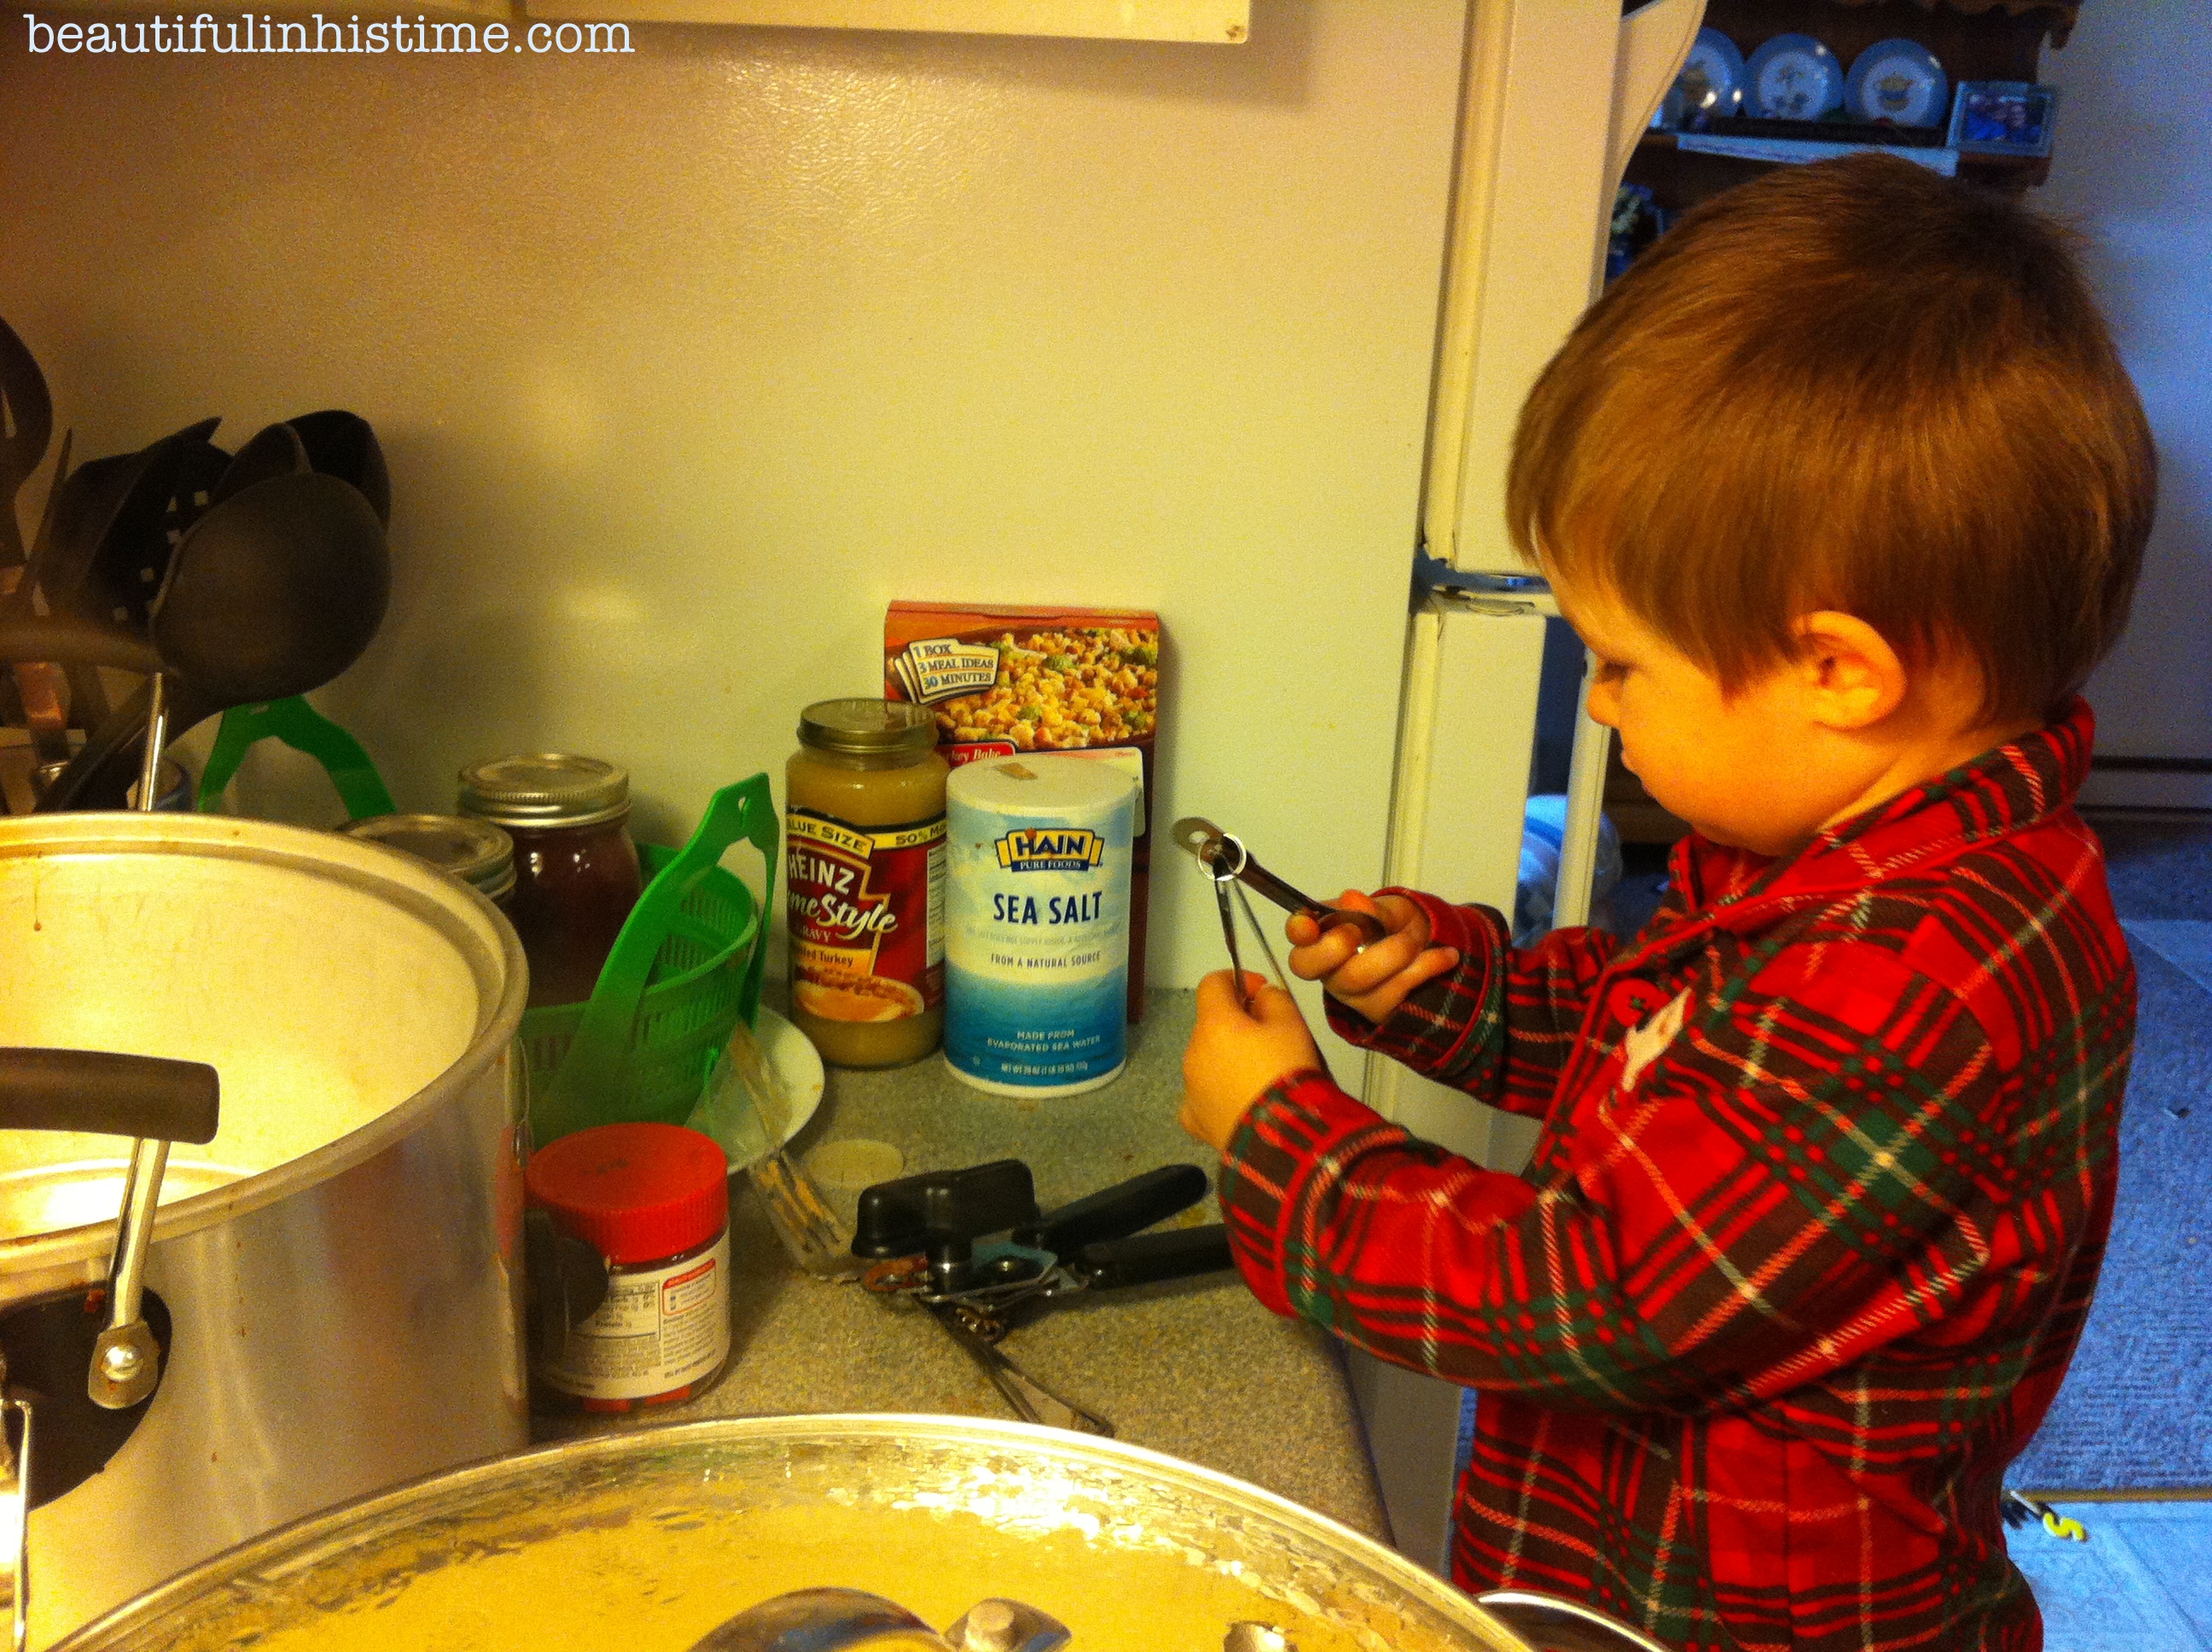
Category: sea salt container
[1037,923]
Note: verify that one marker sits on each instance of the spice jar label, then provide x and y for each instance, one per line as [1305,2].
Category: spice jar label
[659,1329]
[868,916]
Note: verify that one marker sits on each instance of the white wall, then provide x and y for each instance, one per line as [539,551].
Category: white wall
[687,362]
[2128,167]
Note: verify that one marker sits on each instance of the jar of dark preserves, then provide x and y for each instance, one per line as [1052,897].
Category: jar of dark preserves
[576,874]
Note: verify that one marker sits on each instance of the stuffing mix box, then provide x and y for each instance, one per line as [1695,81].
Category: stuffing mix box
[1079,683]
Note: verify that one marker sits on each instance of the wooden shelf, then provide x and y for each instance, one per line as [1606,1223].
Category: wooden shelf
[2056,18]
[1974,39]
[1990,42]
[2006,171]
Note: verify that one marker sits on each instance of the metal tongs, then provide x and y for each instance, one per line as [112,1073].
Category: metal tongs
[1228,862]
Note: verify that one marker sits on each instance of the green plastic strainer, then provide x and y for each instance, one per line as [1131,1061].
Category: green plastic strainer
[684,970]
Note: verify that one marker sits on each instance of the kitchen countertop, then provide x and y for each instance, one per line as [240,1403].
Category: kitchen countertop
[1196,1368]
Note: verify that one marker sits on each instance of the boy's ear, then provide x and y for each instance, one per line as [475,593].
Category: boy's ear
[1848,674]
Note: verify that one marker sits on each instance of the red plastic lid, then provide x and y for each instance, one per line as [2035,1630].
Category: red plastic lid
[636,1191]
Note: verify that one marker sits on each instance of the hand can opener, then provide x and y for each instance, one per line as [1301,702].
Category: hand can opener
[928,1233]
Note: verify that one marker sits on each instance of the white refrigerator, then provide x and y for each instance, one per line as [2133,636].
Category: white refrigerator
[1557,93]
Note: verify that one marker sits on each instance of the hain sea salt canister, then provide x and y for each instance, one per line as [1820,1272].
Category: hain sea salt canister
[1037,923]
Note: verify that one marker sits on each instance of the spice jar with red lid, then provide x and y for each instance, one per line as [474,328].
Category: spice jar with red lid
[575,868]
[654,1199]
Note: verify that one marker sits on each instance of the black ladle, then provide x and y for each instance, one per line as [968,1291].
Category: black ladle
[271,593]
[276,450]
[342,444]
[275,591]
[27,423]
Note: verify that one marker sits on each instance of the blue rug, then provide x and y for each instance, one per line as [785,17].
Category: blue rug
[2141,1583]
[2136,1413]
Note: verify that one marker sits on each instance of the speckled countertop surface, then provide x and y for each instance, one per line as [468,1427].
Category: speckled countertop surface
[1195,1367]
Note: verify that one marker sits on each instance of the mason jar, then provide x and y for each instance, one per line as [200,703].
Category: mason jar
[576,874]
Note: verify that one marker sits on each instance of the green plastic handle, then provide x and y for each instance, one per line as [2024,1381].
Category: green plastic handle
[303,728]
[594,1064]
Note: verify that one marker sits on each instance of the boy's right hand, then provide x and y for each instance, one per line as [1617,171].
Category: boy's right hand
[1373,980]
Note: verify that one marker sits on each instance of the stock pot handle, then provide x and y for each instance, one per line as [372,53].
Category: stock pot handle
[154,1100]
[15,1502]
[106,1094]
[101,1093]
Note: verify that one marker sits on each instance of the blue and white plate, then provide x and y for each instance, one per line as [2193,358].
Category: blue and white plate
[1793,77]
[1898,81]
[1711,86]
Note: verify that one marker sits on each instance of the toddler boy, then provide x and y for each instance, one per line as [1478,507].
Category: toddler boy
[1844,488]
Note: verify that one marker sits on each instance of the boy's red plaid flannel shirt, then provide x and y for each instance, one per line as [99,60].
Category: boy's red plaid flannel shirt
[1783,1291]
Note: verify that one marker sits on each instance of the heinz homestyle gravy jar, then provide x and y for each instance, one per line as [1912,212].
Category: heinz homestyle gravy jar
[864,861]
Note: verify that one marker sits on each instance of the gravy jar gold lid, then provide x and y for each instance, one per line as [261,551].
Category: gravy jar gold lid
[867,727]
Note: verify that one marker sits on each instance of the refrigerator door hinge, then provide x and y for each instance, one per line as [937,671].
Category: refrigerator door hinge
[1432,573]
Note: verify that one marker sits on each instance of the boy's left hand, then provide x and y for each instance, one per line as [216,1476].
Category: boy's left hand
[1232,1057]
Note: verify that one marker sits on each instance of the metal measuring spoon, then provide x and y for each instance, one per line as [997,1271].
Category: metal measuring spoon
[1226,857]
[1226,861]
[996,1625]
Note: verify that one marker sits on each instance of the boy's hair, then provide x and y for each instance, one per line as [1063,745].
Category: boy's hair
[1853,385]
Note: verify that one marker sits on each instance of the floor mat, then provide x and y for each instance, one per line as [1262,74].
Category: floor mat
[2141,1583]
[2136,1412]
[2185,943]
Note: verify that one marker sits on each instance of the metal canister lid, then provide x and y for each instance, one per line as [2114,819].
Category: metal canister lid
[1060,786]
[474,851]
[545,788]
[867,727]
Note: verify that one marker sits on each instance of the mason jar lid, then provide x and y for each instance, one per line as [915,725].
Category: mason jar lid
[545,788]
[867,726]
[474,851]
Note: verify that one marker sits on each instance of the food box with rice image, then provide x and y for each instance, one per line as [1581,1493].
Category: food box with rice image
[1079,683]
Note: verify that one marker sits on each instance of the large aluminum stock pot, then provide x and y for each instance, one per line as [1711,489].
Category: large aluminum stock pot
[337,1276]
[651,1540]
